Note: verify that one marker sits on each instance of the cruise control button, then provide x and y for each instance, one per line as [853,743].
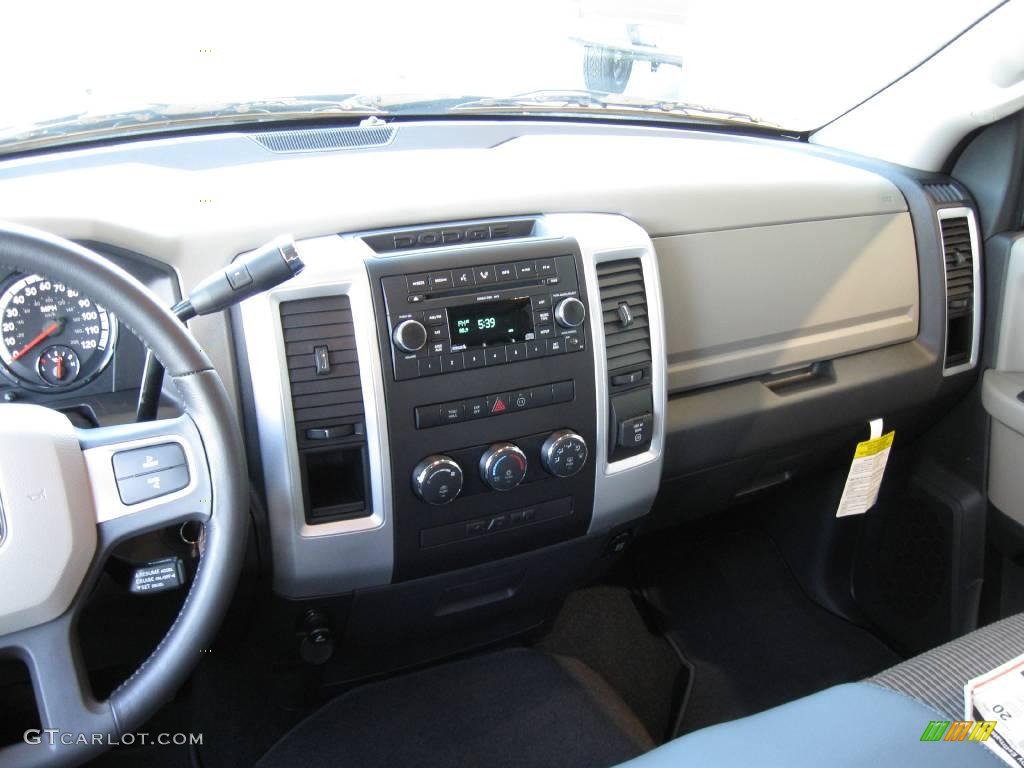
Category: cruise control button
[143,460]
[134,490]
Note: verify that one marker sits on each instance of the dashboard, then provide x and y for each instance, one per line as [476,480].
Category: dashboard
[510,336]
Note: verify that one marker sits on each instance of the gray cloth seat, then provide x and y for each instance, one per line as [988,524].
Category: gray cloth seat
[876,723]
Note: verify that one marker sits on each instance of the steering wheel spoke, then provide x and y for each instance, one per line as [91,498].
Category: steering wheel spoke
[68,711]
[145,476]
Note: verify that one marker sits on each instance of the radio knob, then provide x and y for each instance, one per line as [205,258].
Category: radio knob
[410,336]
[503,466]
[564,453]
[437,479]
[570,313]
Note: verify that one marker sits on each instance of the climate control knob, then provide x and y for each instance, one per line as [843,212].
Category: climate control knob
[564,453]
[410,336]
[437,479]
[570,313]
[503,466]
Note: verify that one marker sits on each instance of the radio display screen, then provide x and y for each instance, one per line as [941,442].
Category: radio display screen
[495,322]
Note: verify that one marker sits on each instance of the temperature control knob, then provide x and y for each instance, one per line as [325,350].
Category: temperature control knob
[503,466]
[410,336]
[437,479]
[564,453]
[570,313]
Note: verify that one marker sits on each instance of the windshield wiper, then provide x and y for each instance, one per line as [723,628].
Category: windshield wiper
[154,118]
[582,101]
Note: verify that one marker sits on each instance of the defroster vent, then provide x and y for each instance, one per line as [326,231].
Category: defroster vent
[624,314]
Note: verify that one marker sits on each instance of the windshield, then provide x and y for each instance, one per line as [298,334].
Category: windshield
[794,64]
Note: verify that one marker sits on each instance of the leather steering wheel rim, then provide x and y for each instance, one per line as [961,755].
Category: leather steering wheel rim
[207,405]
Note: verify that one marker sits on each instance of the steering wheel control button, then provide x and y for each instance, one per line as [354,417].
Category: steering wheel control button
[142,461]
[635,432]
[570,312]
[135,490]
[564,453]
[437,479]
[503,466]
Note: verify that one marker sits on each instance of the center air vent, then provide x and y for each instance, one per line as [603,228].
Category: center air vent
[626,331]
[327,401]
[961,289]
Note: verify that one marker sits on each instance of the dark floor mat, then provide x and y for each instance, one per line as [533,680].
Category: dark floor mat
[602,627]
[754,639]
[511,709]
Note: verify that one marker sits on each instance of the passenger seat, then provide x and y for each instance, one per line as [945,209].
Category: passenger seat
[875,723]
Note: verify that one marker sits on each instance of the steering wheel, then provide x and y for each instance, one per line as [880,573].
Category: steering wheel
[61,516]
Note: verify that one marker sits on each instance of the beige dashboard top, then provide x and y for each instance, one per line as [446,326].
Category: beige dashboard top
[196,220]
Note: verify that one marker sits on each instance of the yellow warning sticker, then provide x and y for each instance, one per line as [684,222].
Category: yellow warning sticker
[871,447]
[866,472]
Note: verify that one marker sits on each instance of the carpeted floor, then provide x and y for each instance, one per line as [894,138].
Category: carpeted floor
[753,638]
[510,709]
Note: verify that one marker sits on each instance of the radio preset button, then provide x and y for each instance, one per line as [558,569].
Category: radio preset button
[452,362]
[536,349]
[474,358]
[430,366]
[516,352]
[496,355]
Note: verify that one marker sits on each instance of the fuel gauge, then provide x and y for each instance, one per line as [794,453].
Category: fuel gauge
[58,365]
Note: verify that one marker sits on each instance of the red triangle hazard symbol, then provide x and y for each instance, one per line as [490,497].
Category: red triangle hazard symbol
[499,406]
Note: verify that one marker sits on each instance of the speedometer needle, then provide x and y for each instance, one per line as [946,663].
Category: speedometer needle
[49,330]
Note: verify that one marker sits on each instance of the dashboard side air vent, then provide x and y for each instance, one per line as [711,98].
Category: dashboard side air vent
[627,334]
[326,139]
[327,402]
[944,192]
[961,262]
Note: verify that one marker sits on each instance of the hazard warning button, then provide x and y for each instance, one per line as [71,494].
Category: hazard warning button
[497,404]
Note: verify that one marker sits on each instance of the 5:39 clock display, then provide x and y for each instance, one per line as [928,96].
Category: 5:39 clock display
[495,322]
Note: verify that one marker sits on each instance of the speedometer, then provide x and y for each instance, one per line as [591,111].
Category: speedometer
[51,336]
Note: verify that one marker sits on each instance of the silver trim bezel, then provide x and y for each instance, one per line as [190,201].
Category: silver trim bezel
[335,556]
[972,228]
[624,490]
